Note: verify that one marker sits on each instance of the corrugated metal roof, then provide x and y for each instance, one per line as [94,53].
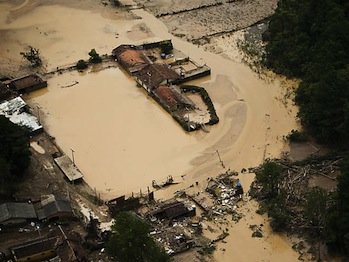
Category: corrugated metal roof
[16,210]
[54,208]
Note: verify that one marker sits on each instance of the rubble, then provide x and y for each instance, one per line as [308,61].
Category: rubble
[226,192]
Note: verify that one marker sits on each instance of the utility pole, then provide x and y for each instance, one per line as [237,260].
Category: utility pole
[220,160]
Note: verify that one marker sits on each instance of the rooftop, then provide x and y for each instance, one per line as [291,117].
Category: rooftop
[155,74]
[14,110]
[16,211]
[34,247]
[172,97]
[28,81]
[130,58]
[68,168]
[54,208]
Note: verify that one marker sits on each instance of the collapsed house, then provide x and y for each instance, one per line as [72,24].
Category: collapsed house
[122,204]
[173,210]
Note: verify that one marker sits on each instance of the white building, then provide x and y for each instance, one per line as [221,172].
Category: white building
[15,110]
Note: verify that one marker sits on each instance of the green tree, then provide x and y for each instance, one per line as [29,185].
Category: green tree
[278,212]
[81,65]
[94,56]
[269,177]
[315,209]
[309,39]
[14,154]
[166,47]
[337,233]
[33,56]
[130,241]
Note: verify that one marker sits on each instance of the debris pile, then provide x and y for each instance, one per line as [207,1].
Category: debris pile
[226,192]
[297,178]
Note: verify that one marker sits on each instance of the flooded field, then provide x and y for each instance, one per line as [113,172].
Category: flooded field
[123,140]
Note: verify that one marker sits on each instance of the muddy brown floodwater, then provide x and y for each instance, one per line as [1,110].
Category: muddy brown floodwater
[122,139]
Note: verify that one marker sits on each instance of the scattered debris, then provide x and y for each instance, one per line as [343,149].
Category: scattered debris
[169,181]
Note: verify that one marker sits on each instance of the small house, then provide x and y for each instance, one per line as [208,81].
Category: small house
[27,83]
[16,213]
[54,209]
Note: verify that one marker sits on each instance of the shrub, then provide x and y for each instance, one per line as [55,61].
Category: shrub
[95,58]
[81,65]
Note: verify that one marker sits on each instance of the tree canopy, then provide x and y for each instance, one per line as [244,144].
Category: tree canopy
[338,226]
[14,154]
[130,241]
[269,177]
[309,39]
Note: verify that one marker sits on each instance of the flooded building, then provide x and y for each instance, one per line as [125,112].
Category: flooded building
[172,98]
[156,68]
[153,75]
[130,58]
[174,210]
[27,83]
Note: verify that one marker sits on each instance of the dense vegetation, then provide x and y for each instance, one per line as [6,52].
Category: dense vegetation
[14,155]
[130,241]
[337,227]
[324,215]
[309,39]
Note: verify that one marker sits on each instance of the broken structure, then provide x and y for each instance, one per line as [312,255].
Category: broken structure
[174,210]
